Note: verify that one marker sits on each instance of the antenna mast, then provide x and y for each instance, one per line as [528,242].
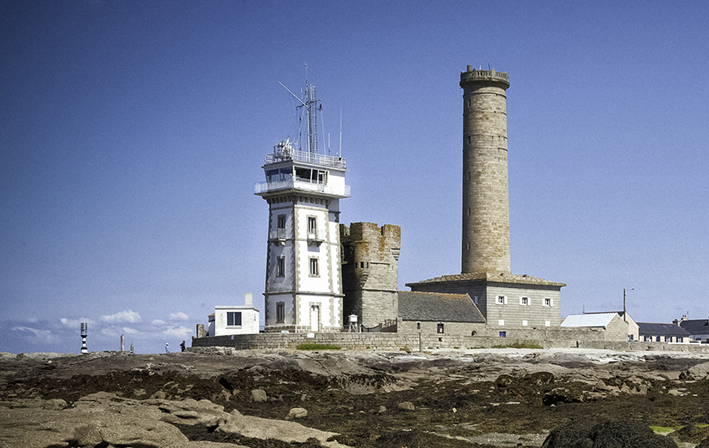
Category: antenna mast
[310,103]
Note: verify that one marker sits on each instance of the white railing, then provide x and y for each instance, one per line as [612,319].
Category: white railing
[263,187]
[278,234]
[307,157]
[313,235]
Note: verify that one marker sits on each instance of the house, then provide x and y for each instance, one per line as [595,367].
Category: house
[652,332]
[232,319]
[441,313]
[698,329]
[618,325]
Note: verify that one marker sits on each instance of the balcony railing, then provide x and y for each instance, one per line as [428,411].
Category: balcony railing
[263,187]
[307,157]
[314,235]
[278,234]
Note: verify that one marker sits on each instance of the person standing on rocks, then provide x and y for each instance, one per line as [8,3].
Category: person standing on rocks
[182,346]
[167,347]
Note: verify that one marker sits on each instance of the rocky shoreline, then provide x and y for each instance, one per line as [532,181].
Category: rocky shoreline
[456,398]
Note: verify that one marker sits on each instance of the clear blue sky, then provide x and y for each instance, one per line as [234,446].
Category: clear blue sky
[132,134]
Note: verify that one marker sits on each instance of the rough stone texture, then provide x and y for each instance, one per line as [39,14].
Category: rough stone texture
[104,419]
[609,434]
[259,395]
[485,288]
[408,338]
[700,371]
[263,428]
[297,413]
[370,271]
[493,391]
[486,223]
[406,406]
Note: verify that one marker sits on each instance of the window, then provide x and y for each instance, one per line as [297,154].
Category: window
[476,300]
[547,323]
[314,271]
[524,300]
[501,322]
[440,328]
[280,312]
[312,227]
[281,227]
[503,334]
[233,319]
[418,325]
[525,323]
[501,300]
[547,302]
[281,267]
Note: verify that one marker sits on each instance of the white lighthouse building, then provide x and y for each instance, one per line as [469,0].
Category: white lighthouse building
[303,189]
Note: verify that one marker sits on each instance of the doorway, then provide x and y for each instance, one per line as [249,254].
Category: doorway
[314,318]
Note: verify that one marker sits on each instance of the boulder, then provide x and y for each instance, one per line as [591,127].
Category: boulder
[699,372]
[297,413]
[607,434]
[285,431]
[259,395]
[406,406]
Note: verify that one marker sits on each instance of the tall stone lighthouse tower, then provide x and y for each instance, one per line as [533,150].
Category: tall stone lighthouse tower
[486,216]
[508,301]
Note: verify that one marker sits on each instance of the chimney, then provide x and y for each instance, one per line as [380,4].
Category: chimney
[248,299]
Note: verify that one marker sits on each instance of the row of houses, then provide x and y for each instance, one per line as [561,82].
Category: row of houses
[620,324]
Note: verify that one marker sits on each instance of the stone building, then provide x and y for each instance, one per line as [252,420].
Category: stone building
[615,325]
[370,272]
[659,332]
[303,189]
[505,299]
[439,313]
[309,290]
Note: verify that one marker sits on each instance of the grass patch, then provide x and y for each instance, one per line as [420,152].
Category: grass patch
[517,344]
[318,347]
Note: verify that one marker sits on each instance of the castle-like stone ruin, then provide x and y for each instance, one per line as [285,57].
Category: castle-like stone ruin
[370,272]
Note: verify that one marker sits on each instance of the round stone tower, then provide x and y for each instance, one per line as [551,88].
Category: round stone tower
[486,217]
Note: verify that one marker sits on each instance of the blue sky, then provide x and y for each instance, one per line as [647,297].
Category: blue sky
[132,134]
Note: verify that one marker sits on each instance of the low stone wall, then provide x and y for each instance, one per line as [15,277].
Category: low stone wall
[546,339]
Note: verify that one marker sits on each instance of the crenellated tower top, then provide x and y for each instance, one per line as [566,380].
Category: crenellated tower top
[491,77]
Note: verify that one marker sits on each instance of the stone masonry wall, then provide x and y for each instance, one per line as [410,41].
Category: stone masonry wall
[412,341]
[370,271]
[486,222]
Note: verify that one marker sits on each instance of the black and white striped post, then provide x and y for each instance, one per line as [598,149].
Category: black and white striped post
[84,332]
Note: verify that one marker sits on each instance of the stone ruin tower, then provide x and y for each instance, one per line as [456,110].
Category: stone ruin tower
[370,272]
[486,211]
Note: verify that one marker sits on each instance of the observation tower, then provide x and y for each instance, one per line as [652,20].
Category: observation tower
[303,188]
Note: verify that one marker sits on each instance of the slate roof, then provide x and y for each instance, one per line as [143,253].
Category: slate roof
[499,277]
[695,326]
[438,307]
[588,320]
[651,329]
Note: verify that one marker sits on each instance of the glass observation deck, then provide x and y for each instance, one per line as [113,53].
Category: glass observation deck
[284,154]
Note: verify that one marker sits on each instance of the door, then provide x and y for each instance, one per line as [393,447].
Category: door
[314,317]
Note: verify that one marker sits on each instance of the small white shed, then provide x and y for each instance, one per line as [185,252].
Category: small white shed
[232,319]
